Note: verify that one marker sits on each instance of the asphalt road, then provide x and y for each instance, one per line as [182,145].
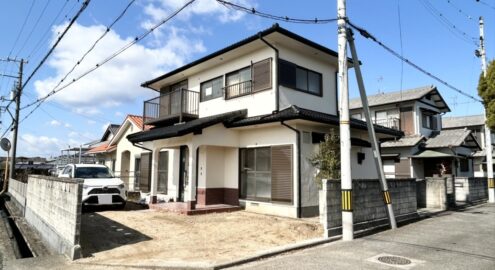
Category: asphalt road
[463,239]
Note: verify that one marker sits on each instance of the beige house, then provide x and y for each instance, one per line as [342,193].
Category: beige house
[122,156]
[238,126]
[426,149]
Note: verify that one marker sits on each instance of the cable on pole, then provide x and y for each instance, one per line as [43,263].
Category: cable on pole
[115,54]
[369,36]
[274,17]
[107,30]
[22,27]
[33,28]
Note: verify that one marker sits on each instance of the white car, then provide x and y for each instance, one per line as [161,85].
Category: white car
[100,186]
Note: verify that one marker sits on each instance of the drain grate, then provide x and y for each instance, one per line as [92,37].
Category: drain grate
[394,260]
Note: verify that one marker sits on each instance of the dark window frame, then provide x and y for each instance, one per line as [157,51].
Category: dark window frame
[307,70]
[430,116]
[464,165]
[201,99]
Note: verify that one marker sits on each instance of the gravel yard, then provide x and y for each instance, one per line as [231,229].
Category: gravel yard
[145,237]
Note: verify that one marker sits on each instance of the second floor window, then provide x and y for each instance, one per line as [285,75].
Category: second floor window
[238,83]
[429,120]
[299,78]
[212,89]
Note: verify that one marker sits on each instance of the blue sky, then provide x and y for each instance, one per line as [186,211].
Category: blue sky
[80,112]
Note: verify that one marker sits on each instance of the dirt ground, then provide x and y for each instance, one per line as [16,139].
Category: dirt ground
[149,237]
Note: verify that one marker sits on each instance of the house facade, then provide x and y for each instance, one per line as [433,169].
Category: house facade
[239,126]
[129,162]
[476,124]
[426,149]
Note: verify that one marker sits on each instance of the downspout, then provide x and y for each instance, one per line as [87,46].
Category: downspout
[298,146]
[277,94]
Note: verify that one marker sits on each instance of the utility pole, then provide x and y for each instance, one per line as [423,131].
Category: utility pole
[15,127]
[488,136]
[345,129]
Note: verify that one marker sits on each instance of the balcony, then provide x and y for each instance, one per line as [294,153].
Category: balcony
[391,122]
[174,107]
[238,89]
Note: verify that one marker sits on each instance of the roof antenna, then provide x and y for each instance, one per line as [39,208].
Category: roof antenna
[379,81]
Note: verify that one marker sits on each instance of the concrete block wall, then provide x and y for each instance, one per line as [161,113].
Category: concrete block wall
[471,189]
[368,206]
[17,191]
[436,193]
[53,209]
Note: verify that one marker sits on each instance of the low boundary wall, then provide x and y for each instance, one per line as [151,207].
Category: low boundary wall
[52,207]
[368,206]
[471,190]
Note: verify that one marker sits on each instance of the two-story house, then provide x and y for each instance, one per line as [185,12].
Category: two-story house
[425,149]
[476,124]
[239,126]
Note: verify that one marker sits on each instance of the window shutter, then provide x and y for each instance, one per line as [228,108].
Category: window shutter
[282,173]
[434,122]
[402,169]
[262,75]
[145,172]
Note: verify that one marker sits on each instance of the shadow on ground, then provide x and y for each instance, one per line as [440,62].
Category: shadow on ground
[99,233]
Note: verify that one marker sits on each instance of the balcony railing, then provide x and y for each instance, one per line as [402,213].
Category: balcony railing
[238,89]
[182,104]
[391,122]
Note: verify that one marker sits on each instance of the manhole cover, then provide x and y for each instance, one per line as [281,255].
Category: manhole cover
[394,260]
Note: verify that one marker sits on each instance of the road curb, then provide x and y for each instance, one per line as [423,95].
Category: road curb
[278,251]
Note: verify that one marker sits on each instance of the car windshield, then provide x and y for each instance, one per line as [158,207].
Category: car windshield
[93,172]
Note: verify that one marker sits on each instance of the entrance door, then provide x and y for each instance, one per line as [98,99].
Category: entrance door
[163,172]
[183,173]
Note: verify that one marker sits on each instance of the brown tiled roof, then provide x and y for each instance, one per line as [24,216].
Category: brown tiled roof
[138,121]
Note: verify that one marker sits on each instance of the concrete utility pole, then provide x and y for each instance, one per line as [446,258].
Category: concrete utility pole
[371,132]
[345,130]
[488,137]
[15,127]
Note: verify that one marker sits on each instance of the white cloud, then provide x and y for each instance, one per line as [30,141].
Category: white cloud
[73,134]
[67,125]
[33,145]
[55,123]
[91,122]
[118,81]
[118,114]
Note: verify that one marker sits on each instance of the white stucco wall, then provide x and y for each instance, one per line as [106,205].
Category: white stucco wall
[257,104]
[124,145]
[326,103]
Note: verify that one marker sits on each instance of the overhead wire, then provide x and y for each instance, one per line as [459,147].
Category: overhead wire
[451,27]
[44,36]
[369,36]
[35,25]
[83,7]
[274,17]
[22,27]
[486,4]
[115,54]
[107,30]
[458,9]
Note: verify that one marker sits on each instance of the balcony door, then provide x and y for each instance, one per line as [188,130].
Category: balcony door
[170,98]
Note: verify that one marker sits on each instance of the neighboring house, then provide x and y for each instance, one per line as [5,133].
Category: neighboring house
[416,112]
[425,149]
[475,123]
[238,126]
[103,153]
[130,163]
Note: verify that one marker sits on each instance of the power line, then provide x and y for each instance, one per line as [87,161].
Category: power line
[33,28]
[274,17]
[458,9]
[44,36]
[368,35]
[107,30]
[83,7]
[115,54]
[22,27]
[451,27]
[486,4]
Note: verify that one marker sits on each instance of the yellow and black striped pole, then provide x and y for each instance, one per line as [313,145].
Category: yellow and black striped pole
[386,197]
[347,200]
